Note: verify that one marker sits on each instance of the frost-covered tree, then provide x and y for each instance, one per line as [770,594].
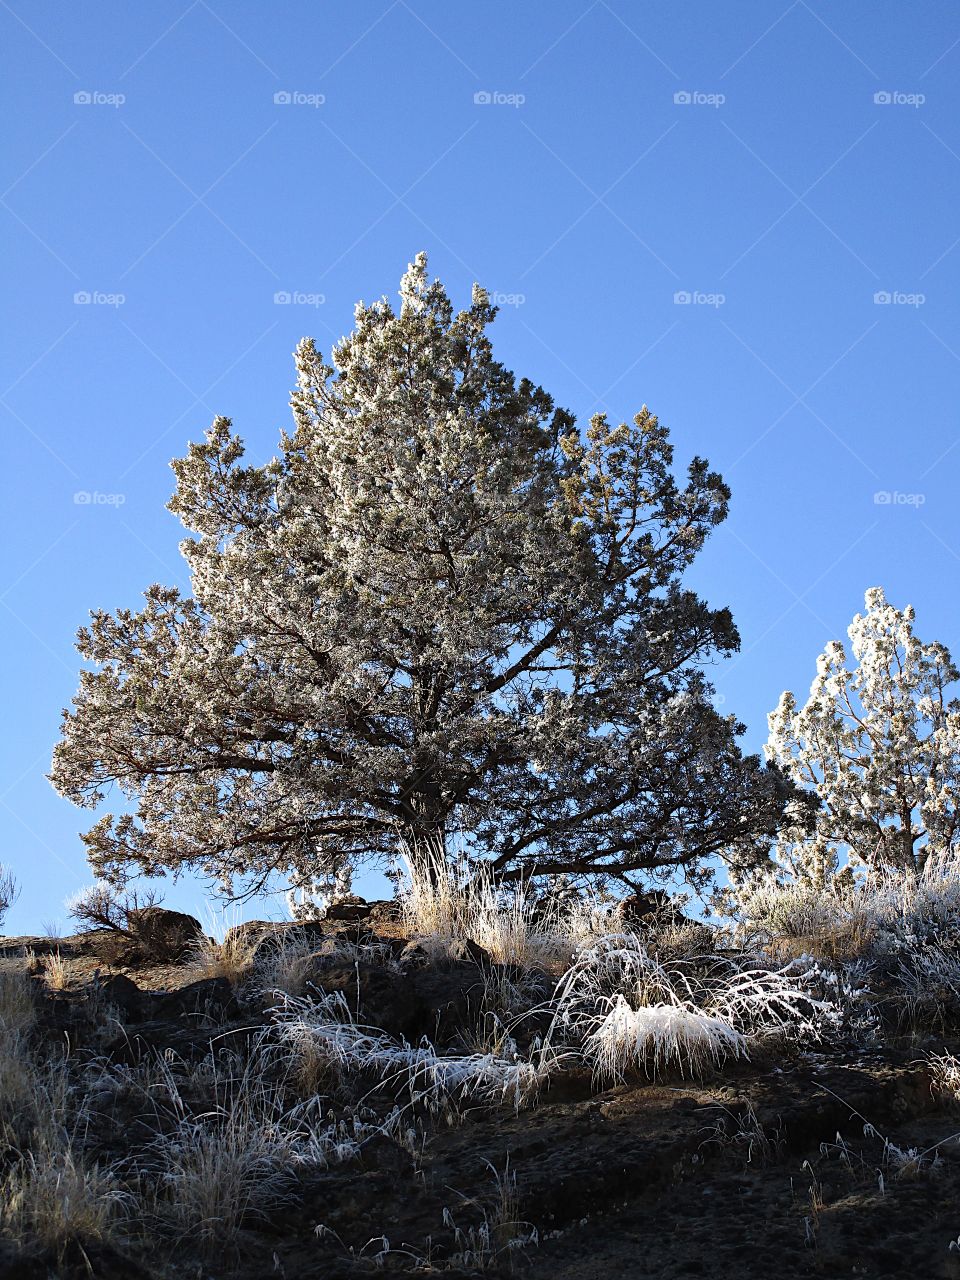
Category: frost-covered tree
[878,742]
[439,608]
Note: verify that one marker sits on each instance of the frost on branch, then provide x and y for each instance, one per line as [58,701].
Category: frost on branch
[442,606]
[878,744]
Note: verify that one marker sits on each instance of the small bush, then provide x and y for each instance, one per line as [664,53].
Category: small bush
[9,891]
[139,921]
[630,1010]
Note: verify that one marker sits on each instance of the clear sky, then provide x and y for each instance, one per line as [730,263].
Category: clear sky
[220,179]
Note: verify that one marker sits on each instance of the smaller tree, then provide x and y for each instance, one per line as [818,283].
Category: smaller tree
[878,744]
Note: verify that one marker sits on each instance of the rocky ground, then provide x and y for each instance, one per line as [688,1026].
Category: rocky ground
[759,1170]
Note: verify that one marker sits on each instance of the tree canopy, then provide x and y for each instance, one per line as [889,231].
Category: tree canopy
[878,744]
[440,608]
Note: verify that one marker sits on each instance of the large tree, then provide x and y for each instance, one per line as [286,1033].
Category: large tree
[877,743]
[441,607]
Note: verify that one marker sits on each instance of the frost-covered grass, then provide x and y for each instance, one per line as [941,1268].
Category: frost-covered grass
[51,1198]
[896,932]
[885,908]
[658,1037]
[331,1047]
[630,1010]
[911,910]
[443,902]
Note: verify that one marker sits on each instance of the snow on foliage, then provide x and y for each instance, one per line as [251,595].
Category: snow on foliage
[629,1010]
[326,1029]
[442,606]
[878,744]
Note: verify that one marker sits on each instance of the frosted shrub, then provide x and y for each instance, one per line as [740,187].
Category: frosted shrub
[325,1035]
[877,744]
[629,1010]
[793,909]
[659,1036]
[212,1172]
[911,909]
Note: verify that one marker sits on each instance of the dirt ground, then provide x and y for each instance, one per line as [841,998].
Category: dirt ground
[763,1170]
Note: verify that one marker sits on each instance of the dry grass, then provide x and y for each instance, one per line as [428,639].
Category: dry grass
[216,1175]
[286,963]
[444,902]
[53,967]
[51,1199]
[228,952]
[17,1009]
[840,943]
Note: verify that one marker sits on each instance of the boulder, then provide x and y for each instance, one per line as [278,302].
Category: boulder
[350,911]
[273,933]
[465,950]
[163,934]
[124,994]
[385,912]
[377,997]
[448,997]
[207,997]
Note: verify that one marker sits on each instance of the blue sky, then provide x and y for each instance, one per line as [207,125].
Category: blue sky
[697,207]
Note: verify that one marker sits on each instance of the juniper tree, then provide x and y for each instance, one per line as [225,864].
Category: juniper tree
[878,744]
[440,607]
